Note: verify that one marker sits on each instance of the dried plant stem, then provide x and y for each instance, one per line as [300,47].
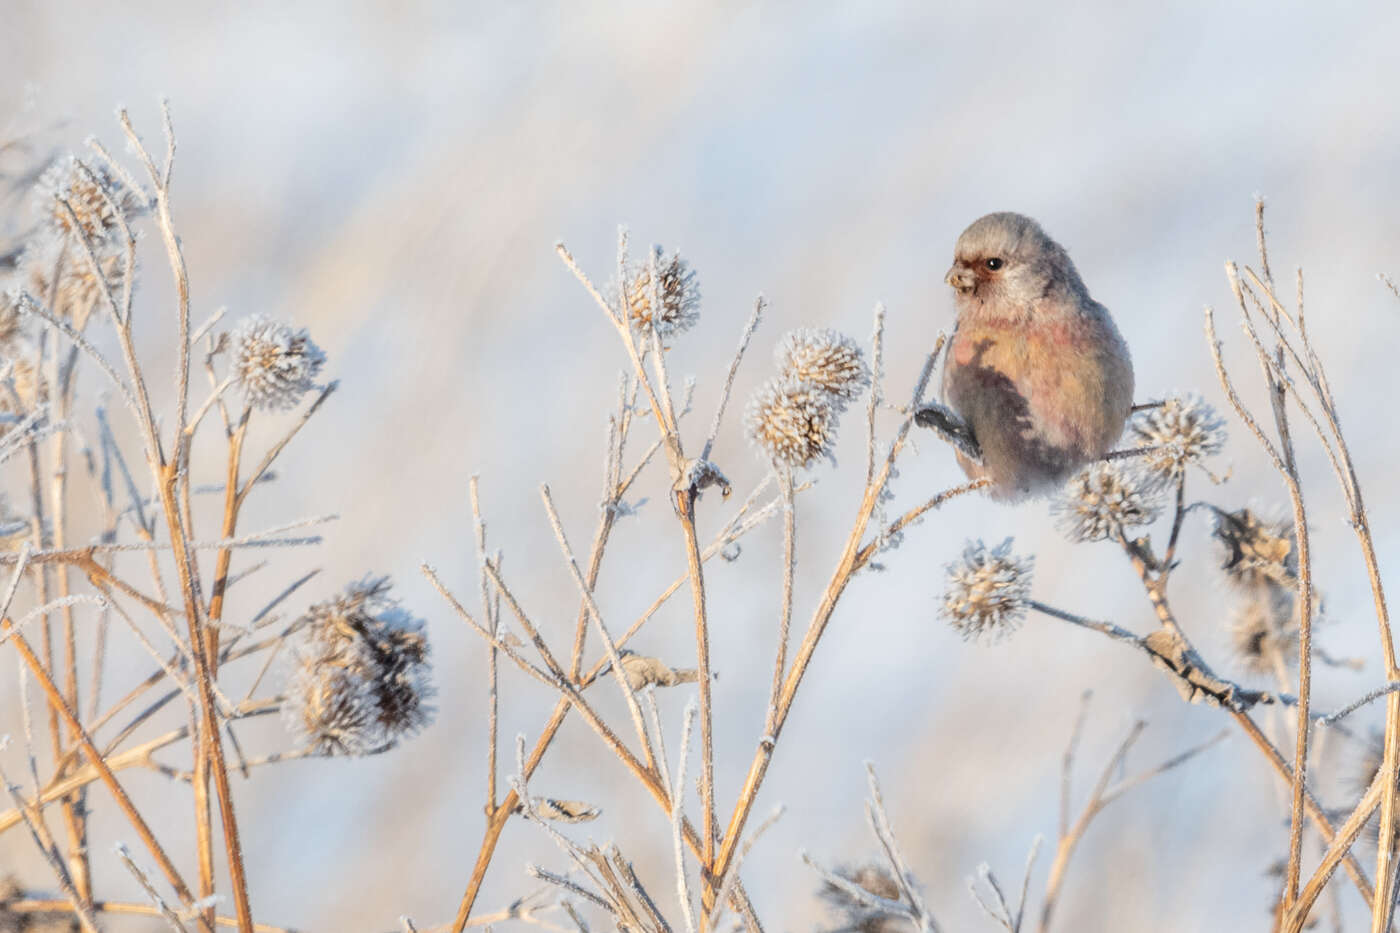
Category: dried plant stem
[846,567]
[38,905]
[1285,463]
[785,610]
[497,820]
[1103,794]
[685,510]
[94,756]
[1241,716]
[1338,849]
[628,694]
[168,474]
[492,672]
[202,763]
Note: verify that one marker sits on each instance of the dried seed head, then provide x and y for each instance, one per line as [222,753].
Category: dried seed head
[1106,498]
[361,678]
[565,811]
[44,921]
[987,590]
[856,916]
[672,304]
[92,192]
[1256,552]
[1184,429]
[274,365]
[793,423]
[827,359]
[50,260]
[642,671]
[1264,631]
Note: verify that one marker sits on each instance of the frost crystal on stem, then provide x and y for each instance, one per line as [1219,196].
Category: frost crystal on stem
[987,589]
[361,677]
[274,364]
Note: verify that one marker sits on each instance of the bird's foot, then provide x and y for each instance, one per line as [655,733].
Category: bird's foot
[951,428]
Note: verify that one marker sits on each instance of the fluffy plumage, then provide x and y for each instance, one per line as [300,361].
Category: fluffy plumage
[1036,368]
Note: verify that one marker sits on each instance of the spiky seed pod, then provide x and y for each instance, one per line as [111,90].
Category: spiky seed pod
[274,364]
[79,289]
[672,306]
[1183,429]
[1256,552]
[825,358]
[987,589]
[855,916]
[92,192]
[792,423]
[1105,499]
[1264,631]
[361,681]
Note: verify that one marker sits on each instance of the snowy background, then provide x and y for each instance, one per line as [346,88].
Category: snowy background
[393,177]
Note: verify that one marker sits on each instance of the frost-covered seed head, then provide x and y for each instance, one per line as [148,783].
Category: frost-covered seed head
[986,590]
[854,915]
[91,191]
[1256,552]
[827,359]
[1184,428]
[274,364]
[1107,498]
[79,288]
[1264,630]
[793,423]
[676,294]
[361,681]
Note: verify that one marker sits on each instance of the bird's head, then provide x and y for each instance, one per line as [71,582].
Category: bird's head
[1007,259]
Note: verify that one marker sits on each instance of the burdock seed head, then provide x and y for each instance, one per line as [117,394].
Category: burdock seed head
[671,304]
[274,364]
[94,194]
[1256,552]
[1183,430]
[987,589]
[361,681]
[829,360]
[792,423]
[1106,498]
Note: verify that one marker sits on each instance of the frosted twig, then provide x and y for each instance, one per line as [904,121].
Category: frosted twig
[1345,711]
[171,918]
[619,672]
[759,305]
[877,375]
[45,843]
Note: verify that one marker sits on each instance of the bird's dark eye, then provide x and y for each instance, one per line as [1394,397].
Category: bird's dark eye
[994,263]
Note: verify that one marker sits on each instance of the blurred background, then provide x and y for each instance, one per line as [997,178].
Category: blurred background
[394,177]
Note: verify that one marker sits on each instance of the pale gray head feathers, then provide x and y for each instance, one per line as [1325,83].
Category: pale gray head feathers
[1008,257]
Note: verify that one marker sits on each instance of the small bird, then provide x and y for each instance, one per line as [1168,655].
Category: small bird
[1037,375]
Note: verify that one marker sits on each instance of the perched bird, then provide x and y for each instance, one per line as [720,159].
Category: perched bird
[1036,371]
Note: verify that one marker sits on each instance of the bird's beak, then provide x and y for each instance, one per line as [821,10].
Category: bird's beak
[961,278]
